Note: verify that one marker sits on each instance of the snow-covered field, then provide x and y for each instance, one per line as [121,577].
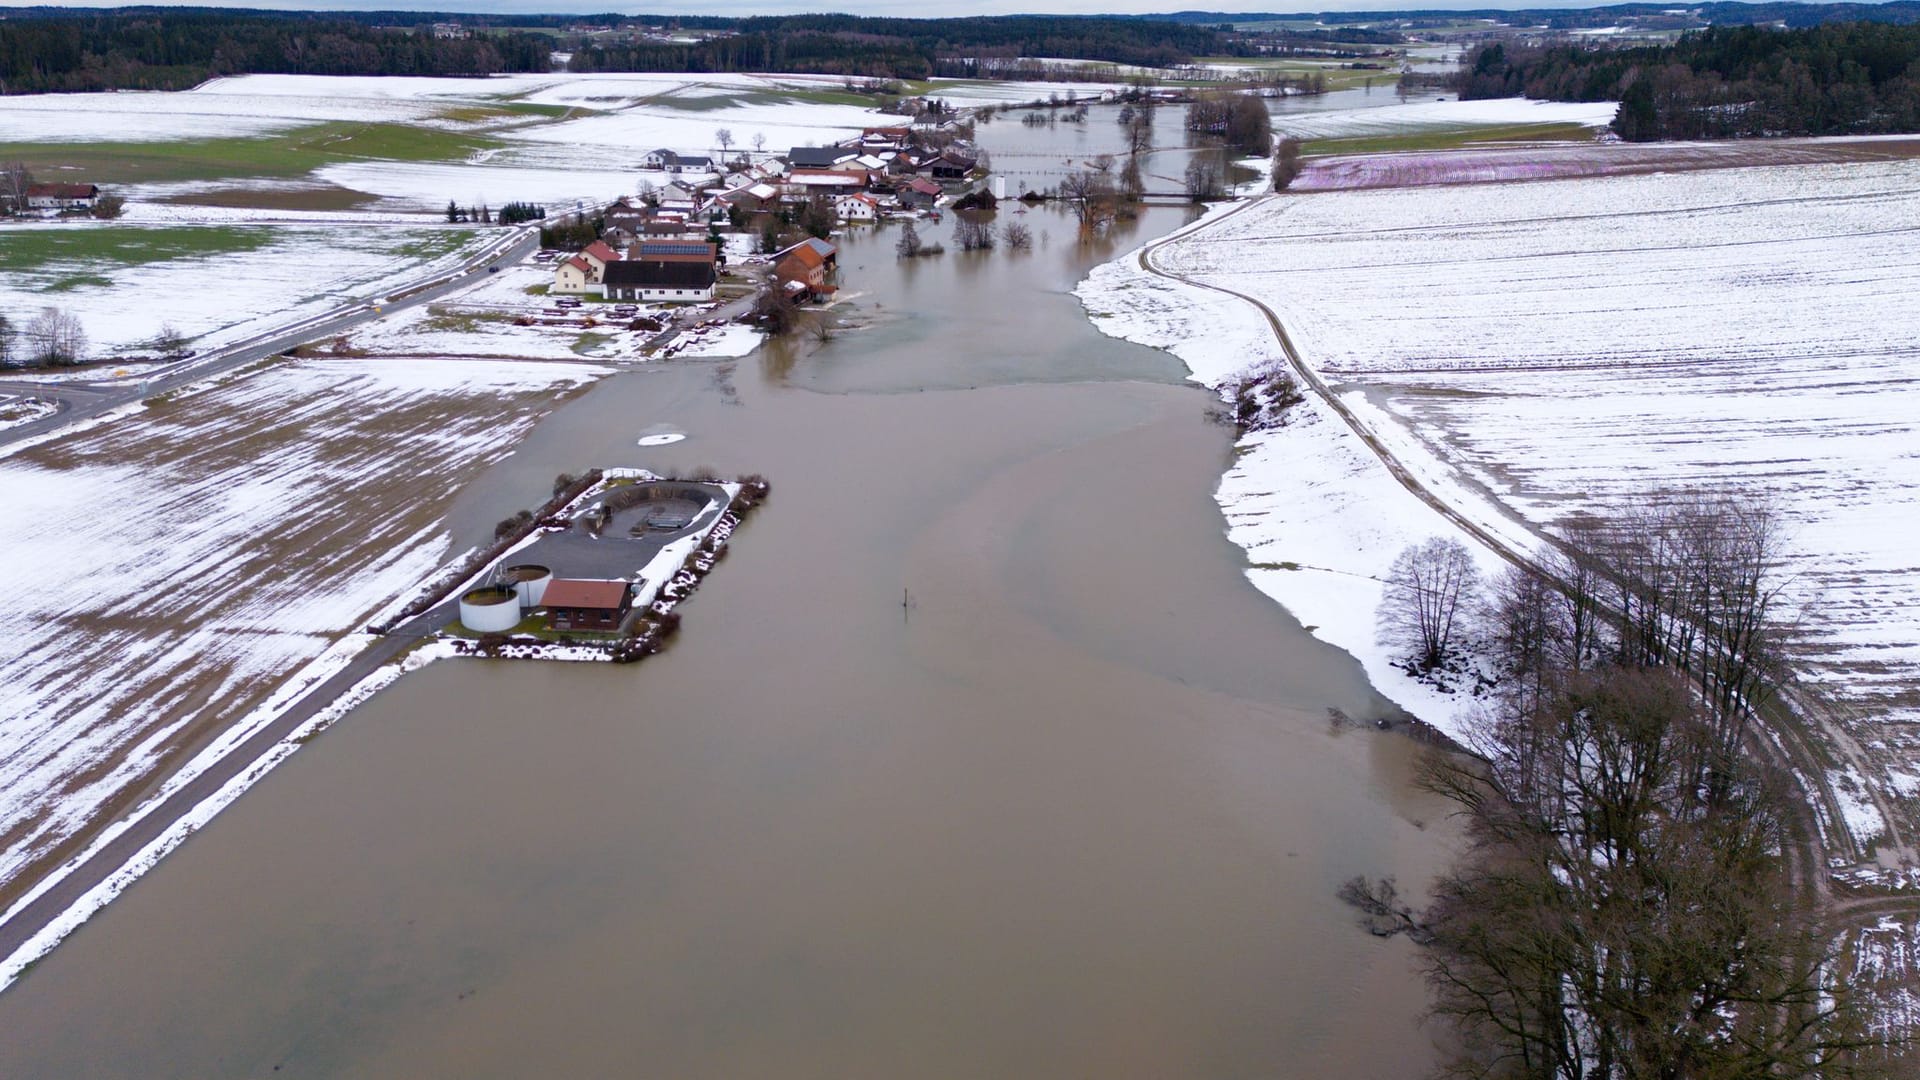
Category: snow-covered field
[169,571]
[1440,116]
[1536,351]
[209,292]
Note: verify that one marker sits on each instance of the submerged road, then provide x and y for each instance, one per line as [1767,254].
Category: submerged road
[80,401]
[28,926]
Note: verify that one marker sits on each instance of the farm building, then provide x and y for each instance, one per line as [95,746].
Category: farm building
[62,196]
[657,280]
[585,604]
[819,157]
[669,161]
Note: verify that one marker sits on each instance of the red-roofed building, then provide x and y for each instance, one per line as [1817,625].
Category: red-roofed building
[62,196]
[599,254]
[586,604]
[574,277]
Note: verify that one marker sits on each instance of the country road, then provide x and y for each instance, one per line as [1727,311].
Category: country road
[80,400]
[1784,740]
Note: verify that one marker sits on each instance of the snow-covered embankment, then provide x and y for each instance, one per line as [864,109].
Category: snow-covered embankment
[1319,514]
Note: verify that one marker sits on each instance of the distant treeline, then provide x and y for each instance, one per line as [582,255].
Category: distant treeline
[154,49]
[1839,79]
[1720,13]
[903,48]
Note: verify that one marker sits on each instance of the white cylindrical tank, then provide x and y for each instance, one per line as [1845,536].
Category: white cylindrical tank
[530,582]
[999,187]
[490,610]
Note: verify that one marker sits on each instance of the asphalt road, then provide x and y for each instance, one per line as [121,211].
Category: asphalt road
[84,400]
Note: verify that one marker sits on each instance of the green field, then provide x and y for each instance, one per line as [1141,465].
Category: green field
[287,154]
[1448,139]
[26,250]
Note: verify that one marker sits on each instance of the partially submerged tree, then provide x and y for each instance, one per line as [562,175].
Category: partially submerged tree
[973,234]
[1205,178]
[909,243]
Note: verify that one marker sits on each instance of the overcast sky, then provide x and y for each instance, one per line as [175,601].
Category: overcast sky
[856,7]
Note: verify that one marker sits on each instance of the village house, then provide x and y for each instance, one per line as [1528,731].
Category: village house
[669,161]
[874,139]
[918,193]
[624,215]
[661,280]
[857,207]
[677,251]
[599,254]
[678,197]
[752,200]
[665,226]
[947,165]
[803,269]
[62,196]
[573,277]
[583,273]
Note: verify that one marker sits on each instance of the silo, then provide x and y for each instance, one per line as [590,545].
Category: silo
[490,609]
[529,580]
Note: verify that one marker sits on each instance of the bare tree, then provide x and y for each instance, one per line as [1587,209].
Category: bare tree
[1206,178]
[1428,589]
[55,338]
[1139,130]
[1090,194]
[759,142]
[7,335]
[1017,236]
[973,235]
[15,179]
[724,139]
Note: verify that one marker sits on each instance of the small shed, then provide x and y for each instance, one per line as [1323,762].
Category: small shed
[587,604]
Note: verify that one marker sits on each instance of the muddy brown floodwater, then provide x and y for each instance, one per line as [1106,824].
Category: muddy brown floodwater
[1074,809]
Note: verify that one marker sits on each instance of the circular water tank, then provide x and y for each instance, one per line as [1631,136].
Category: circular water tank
[490,610]
[530,582]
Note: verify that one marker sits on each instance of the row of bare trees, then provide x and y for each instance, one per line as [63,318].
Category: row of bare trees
[1627,904]
[53,338]
[1681,579]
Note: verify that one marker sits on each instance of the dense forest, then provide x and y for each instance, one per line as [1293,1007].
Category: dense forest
[905,48]
[1838,79]
[172,50]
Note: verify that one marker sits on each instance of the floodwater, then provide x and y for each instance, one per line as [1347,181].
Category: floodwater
[978,756]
